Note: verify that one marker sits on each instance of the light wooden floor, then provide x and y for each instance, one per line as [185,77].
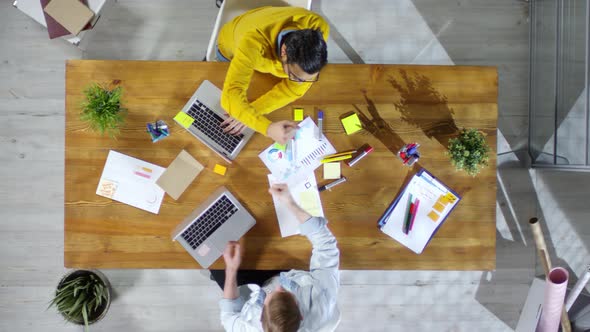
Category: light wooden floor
[476,32]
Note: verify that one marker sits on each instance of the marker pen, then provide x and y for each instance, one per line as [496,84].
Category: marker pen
[332,184]
[320,124]
[365,150]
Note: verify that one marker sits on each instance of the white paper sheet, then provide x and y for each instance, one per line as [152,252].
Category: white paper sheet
[131,181]
[306,195]
[309,152]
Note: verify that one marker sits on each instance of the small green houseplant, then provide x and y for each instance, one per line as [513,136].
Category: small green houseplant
[102,109]
[469,151]
[82,297]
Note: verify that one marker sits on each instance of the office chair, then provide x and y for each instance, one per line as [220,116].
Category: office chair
[232,8]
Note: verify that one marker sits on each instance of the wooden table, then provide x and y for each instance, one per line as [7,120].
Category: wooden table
[425,104]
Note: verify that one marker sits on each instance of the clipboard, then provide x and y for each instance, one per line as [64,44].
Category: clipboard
[437,201]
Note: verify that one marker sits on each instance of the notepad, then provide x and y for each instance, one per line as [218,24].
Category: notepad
[351,124]
[180,174]
[331,171]
[429,217]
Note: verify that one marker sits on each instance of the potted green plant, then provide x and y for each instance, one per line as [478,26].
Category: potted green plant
[469,151]
[102,109]
[82,297]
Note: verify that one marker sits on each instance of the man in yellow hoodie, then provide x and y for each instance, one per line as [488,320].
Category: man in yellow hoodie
[287,42]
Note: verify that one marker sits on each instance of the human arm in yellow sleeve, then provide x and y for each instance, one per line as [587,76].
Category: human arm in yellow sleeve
[282,94]
[234,97]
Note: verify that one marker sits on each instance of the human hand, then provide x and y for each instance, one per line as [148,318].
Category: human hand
[232,256]
[282,131]
[281,191]
[232,126]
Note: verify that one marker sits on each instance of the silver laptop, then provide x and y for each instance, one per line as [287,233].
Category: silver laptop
[208,229]
[205,109]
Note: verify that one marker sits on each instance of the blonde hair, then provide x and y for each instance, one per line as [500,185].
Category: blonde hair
[281,314]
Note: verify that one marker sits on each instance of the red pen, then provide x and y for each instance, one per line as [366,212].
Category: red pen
[365,150]
[414,212]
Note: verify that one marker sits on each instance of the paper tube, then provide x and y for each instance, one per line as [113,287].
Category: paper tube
[555,288]
[578,288]
[546,262]
[540,244]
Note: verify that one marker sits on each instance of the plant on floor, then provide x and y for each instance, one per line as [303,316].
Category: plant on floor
[102,109]
[469,151]
[82,297]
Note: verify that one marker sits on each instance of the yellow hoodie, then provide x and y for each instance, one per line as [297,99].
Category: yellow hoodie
[250,41]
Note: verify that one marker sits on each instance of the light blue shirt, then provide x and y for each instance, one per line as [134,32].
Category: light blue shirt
[316,291]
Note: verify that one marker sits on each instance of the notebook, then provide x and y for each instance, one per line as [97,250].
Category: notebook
[179,175]
[131,181]
[71,14]
[436,201]
[53,27]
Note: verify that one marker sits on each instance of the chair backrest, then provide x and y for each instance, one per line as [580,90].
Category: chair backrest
[232,8]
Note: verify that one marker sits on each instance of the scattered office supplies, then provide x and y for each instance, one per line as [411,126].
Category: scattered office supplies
[429,192]
[179,175]
[409,154]
[305,193]
[71,14]
[158,130]
[363,152]
[351,124]
[332,184]
[307,155]
[331,171]
[298,114]
[219,169]
[320,130]
[203,116]
[207,230]
[131,181]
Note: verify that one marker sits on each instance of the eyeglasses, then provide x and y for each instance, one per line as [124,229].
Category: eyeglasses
[294,78]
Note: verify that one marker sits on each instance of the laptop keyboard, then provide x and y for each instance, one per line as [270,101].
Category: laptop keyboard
[209,222]
[208,122]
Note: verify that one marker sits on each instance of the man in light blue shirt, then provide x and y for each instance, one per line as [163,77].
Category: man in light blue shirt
[294,300]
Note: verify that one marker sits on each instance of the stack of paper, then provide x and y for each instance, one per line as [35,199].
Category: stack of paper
[131,181]
[295,166]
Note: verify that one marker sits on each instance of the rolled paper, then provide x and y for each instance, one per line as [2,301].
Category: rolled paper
[540,244]
[555,288]
[578,287]
[539,239]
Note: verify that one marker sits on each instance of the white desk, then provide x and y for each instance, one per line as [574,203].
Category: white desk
[32,8]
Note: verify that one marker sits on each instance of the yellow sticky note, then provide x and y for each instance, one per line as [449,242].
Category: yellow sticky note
[443,200]
[309,202]
[298,114]
[280,147]
[433,215]
[331,171]
[184,119]
[438,207]
[351,124]
[219,169]
[450,197]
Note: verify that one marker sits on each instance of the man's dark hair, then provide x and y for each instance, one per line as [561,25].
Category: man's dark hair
[307,49]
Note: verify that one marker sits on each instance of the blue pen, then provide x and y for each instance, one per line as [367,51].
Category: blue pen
[320,124]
